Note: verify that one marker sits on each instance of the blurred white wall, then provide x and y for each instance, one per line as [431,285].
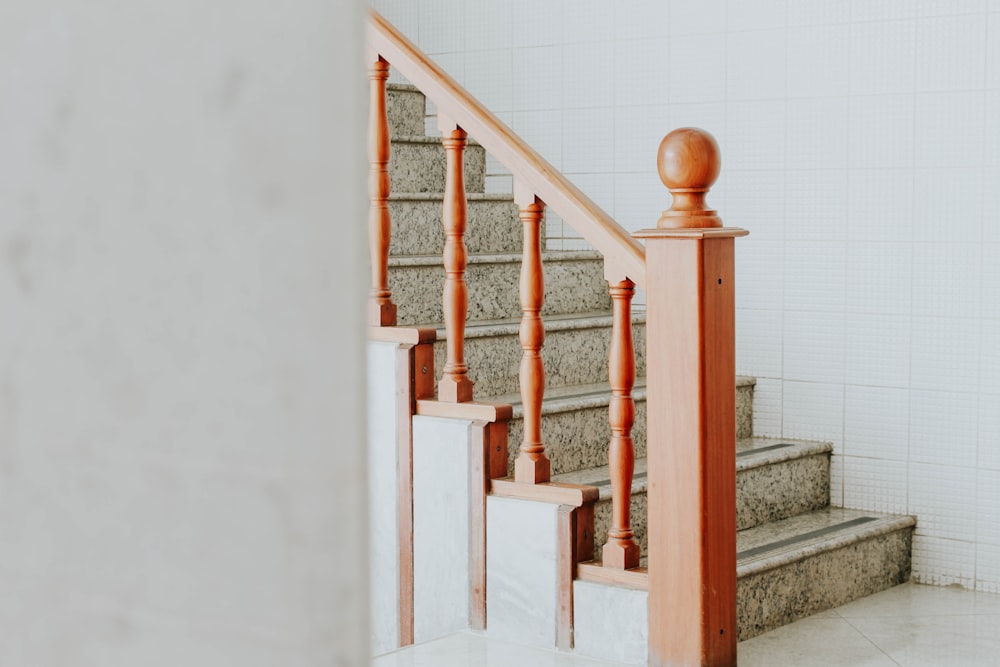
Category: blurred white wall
[861,148]
[181,363]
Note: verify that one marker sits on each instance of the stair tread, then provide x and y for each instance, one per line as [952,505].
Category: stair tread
[496,258]
[439,196]
[756,451]
[424,139]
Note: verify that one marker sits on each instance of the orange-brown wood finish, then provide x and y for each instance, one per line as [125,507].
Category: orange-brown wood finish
[381,309]
[455,385]
[532,466]
[621,550]
[691,396]
[487,438]
[575,526]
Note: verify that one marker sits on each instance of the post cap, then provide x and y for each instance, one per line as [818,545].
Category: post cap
[688,163]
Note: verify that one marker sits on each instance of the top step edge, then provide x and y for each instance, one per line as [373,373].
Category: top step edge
[424,139]
[397,261]
[439,196]
[564,322]
[403,87]
[745,381]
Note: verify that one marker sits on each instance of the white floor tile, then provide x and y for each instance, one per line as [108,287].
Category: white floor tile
[813,642]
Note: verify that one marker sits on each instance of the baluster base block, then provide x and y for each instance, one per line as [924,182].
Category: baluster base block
[455,389]
[381,314]
[620,554]
[528,470]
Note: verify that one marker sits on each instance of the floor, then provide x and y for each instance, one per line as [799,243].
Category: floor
[909,625]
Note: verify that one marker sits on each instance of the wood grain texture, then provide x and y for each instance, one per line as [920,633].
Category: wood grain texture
[549,492]
[381,309]
[688,163]
[636,578]
[532,466]
[621,550]
[405,365]
[455,385]
[624,257]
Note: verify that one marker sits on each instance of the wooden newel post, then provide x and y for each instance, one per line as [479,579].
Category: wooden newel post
[381,309]
[691,403]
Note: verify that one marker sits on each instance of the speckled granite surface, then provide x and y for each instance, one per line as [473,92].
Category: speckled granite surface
[574,283]
[744,407]
[785,584]
[781,482]
[417,164]
[575,352]
[406,108]
[493,225]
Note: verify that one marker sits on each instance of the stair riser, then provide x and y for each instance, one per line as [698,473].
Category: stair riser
[578,356]
[578,439]
[576,286]
[777,597]
[420,167]
[406,111]
[764,494]
[493,227]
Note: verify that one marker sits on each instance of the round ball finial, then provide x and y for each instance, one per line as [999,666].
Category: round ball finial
[688,163]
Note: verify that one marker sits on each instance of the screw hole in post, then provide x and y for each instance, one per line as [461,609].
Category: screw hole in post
[720,281]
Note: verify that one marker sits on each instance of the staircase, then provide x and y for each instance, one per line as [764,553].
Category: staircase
[796,554]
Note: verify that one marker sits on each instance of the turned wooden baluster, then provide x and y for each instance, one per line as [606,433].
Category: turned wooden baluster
[381,309]
[455,385]
[621,550]
[531,466]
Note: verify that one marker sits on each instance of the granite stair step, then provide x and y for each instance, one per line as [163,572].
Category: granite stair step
[575,351]
[574,283]
[775,479]
[406,107]
[492,224]
[417,164]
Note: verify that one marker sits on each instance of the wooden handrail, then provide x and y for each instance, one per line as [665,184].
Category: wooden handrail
[624,257]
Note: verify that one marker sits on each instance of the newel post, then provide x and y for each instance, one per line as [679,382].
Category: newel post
[691,399]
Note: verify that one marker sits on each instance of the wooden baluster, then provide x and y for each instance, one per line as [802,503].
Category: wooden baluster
[381,309]
[455,385]
[531,466]
[691,404]
[621,550]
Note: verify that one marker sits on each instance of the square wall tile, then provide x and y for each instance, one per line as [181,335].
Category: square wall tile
[758,342]
[755,14]
[808,148]
[442,27]
[991,205]
[945,7]
[875,485]
[638,133]
[755,135]
[599,187]
[697,68]
[711,117]
[545,27]
[636,19]
[989,357]
[947,279]
[881,131]
[543,132]
[538,78]
[943,428]
[759,274]
[949,129]
[989,431]
[878,350]
[882,10]
[940,497]
[951,53]
[881,57]
[988,507]
[640,198]
[940,215]
[489,25]
[988,568]
[755,65]
[813,346]
[940,562]
[815,203]
[993,52]
[766,407]
[818,12]
[813,411]
[879,277]
[837,480]
[880,205]
[877,422]
[747,205]
[588,145]
[815,275]
[991,142]
[697,18]
[589,21]
[589,70]
[817,61]
[944,354]
[642,74]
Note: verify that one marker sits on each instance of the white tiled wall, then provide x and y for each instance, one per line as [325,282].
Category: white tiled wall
[861,148]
